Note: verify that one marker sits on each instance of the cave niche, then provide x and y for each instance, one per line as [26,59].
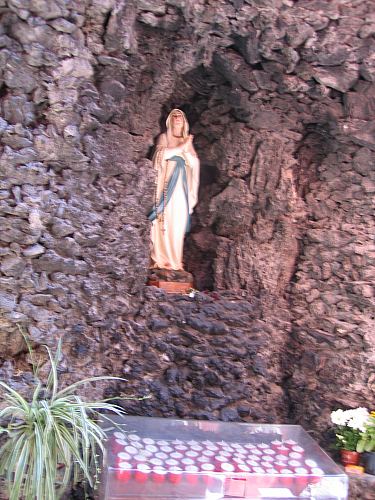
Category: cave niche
[243,228]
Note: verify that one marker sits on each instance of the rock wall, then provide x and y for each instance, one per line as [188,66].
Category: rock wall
[332,296]
[280,97]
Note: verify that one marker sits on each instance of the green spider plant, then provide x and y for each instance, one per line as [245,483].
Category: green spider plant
[52,437]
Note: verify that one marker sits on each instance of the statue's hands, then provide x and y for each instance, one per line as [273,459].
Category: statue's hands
[188,144]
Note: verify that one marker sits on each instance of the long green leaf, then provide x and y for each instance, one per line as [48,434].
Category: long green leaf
[16,396]
[20,471]
[52,382]
[39,455]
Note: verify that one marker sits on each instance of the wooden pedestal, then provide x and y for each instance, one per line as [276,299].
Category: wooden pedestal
[172,286]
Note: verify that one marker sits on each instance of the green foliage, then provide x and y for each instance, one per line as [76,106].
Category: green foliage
[53,437]
[367,441]
[347,438]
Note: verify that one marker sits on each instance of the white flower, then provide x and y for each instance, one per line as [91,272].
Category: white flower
[358,418]
[339,417]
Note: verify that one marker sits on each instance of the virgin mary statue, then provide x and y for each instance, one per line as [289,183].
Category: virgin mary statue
[176,193]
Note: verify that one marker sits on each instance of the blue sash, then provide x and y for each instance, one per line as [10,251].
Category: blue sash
[179,169]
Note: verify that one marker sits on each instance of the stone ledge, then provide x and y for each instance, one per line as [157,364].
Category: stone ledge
[361,487]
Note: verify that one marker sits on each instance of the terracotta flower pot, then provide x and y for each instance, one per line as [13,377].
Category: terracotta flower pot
[349,457]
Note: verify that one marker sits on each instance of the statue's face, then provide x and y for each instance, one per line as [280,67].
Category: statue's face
[177,119]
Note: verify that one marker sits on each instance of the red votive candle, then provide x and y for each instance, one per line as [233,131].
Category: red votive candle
[191,474]
[187,461]
[253,458]
[283,450]
[196,447]
[269,451]
[287,477]
[222,444]
[134,437]
[298,449]
[118,445]
[166,449]
[174,474]
[220,460]
[263,446]
[259,470]
[208,471]
[300,482]
[158,475]
[276,444]
[266,465]
[317,474]
[227,467]
[208,453]
[145,453]
[228,448]
[249,446]
[294,463]
[202,460]
[161,455]
[295,455]
[245,469]
[252,463]
[181,448]
[272,471]
[177,441]
[152,448]
[206,467]
[225,453]
[177,455]
[156,463]
[139,459]
[310,463]
[281,458]
[290,443]
[162,442]
[131,450]
[122,456]
[279,465]
[119,435]
[171,462]
[123,471]
[258,477]
[191,454]
[148,441]
[212,447]
[141,473]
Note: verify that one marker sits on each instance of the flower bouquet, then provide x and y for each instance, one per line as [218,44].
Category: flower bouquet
[349,428]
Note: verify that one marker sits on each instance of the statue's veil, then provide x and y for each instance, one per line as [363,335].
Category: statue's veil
[185,128]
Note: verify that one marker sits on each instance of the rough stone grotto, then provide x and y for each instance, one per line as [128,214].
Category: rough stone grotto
[280,96]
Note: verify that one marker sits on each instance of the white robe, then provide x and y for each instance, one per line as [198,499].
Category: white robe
[168,229]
